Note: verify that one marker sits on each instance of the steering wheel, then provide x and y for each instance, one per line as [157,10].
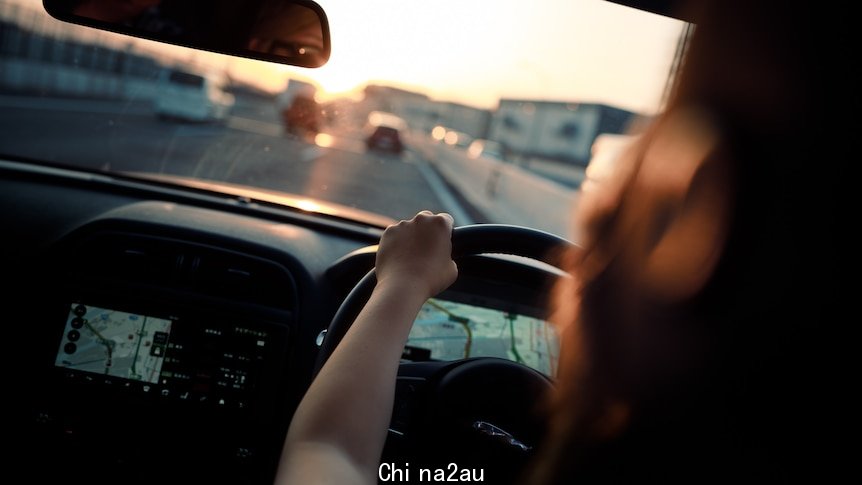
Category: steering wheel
[478,413]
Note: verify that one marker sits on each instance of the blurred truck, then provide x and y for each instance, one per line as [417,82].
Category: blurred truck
[191,96]
[301,114]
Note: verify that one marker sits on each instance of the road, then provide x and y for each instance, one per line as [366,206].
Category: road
[247,149]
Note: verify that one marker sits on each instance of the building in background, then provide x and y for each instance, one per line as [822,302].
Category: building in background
[41,57]
[422,114]
[554,130]
[465,119]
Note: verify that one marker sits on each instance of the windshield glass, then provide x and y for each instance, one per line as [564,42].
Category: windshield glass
[539,80]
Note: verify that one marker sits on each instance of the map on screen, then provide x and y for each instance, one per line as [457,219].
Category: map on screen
[114,343]
[452,330]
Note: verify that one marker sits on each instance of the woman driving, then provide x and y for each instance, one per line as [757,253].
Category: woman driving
[684,326]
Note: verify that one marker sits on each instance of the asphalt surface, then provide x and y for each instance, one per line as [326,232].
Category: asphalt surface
[249,149]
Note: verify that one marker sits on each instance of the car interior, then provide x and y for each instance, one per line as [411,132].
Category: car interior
[168,323]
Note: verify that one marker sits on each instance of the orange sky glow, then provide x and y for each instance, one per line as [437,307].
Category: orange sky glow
[476,52]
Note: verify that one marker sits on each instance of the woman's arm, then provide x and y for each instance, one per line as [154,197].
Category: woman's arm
[339,428]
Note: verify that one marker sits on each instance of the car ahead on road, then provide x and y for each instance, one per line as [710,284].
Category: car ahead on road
[385,132]
[451,137]
[301,114]
[303,117]
[188,96]
[170,291]
[457,139]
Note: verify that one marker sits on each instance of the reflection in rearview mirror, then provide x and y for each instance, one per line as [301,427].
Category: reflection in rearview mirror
[292,32]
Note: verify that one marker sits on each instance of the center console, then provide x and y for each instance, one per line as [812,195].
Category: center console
[165,361]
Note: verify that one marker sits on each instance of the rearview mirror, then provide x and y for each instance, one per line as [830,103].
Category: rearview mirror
[292,32]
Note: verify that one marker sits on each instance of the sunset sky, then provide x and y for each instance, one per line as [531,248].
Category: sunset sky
[478,51]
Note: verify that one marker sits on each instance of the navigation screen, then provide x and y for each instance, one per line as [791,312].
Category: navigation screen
[114,343]
[446,330]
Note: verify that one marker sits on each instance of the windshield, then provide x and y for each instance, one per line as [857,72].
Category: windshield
[539,80]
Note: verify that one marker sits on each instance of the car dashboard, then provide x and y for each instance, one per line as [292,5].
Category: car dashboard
[168,335]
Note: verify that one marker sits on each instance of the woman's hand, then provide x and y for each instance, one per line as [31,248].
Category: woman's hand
[327,444]
[418,254]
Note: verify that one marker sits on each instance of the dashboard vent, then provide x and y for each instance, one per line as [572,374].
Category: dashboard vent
[108,258]
[230,275]
[130,258]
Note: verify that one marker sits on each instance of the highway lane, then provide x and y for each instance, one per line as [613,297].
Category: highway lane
[242,151]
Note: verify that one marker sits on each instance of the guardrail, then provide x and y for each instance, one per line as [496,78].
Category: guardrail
[505,193]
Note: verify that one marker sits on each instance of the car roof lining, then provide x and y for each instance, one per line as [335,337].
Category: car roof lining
[678,9]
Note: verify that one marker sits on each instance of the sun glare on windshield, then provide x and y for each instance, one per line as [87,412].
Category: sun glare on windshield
[324,140]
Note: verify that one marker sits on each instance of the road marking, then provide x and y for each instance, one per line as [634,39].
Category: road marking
[444,195]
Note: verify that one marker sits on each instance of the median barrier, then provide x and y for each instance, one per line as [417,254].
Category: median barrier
[504,192]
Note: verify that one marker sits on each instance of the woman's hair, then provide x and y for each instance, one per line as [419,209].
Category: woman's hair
[688,327]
